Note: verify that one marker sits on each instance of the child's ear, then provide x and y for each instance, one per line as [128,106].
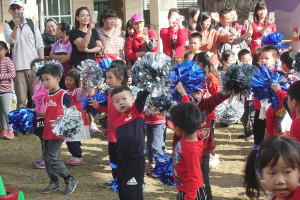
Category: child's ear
[121,79]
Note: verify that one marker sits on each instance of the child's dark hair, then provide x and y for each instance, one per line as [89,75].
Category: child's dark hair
[294,91]
[63,26]
[224,58]
[75,75]
[268,154]
[196,35]
[256,53]
[118,68]
[50,68]
[202,17]
[107,14]
[4,45]
[186,116]
[120,89]
[243,52]
[204,60]
[37,60]
[288,58]
[188,53]
[272,49]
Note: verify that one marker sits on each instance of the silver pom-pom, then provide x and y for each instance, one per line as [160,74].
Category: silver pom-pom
[230,111]
[91,73]
[69,124]
[40,65]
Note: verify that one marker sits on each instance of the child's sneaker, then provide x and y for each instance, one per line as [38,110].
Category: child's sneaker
[38,161]
[51,187]
[71,184]
[41,165]
[70,160]
[75,161]
[149,172]
[213,161]
[108,184]
[3,133]
[93,128]
[10,135]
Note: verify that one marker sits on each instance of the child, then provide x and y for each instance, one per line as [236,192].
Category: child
[116,75]
[195,40]
[277,162]
[294,106]
[187,158]
[130,141]
[245,57]
[189,55]
[72,82]
[206,107]
[287,58]
[7,73]
[51,74]
[228,58]
[38,99]
[256,57]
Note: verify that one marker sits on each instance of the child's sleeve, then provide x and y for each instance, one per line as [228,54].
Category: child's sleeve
[102,108]
[67,100]
[213,101]
[185,98]
[141,100]
[213,84]
[282,97]
[11,72]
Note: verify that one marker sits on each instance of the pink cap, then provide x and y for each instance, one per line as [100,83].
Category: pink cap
[136,17]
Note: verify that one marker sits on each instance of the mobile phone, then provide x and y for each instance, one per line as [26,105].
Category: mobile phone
[21,16]
[271,15]
[95,16]
[173,19]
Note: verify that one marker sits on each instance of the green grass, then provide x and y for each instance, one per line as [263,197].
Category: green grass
[16,169]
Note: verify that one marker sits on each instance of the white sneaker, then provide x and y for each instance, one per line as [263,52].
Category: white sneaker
[93,128]
[250,138]
[168,151]
[213,163]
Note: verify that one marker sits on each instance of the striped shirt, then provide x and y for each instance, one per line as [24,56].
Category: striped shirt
[7,73]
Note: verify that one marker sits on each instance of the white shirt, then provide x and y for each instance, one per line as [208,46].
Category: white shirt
[26,45]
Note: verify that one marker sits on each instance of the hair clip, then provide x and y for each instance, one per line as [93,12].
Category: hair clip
[209,54]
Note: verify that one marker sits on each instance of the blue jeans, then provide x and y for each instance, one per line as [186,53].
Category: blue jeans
[155,139]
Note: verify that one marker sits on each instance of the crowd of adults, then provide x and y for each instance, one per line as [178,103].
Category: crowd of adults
[219,32]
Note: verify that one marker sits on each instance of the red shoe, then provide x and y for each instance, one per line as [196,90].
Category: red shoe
[3,133]
[10,135]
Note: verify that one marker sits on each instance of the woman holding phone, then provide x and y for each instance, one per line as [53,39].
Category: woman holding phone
[262,24]
[143,40]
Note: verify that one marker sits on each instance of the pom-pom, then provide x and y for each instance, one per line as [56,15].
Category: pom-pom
[274,39]
[69,124]
[151,72]
[99,96]
[190,74]
[261,83]
[162,102]
[105,64]
[237,79]
[40,65]
[164,170]
[91,72]
[23,120]
[230,111]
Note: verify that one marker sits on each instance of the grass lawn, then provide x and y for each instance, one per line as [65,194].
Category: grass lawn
[17,171]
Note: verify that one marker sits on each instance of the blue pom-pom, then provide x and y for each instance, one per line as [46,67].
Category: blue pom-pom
[261,83]
[164,170]
[105,64]
[190,74]
[23,120]
[101,98]
[274,39]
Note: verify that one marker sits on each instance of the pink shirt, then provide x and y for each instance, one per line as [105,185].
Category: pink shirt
[257,35]
[65,48]
[38,97]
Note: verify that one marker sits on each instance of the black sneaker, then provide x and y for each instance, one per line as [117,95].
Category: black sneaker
[70,185]
[51,187]
[108,184]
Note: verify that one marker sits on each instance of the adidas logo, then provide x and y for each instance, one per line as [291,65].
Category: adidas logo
[132,181]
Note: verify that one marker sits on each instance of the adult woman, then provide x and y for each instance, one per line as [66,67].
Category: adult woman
[210,37]
[62,49]
[240,28]
[84,38]
[193,13]
[142,41]
[112,37]
[261,25]
[49,36]
[174,37]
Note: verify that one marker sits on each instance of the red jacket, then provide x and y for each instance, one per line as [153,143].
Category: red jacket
[257,35]
[135,44]
[179,38]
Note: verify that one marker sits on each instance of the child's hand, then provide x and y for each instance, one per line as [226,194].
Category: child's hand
[275,87]
[94,103]
[179,88]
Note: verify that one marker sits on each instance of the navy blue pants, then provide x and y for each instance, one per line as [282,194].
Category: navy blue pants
[75,149]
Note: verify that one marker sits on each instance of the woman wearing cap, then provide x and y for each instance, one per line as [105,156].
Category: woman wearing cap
[174,38]
[142,41]
[49,36]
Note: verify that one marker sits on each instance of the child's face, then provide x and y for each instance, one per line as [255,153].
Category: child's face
[3,51]
[70,83]
[198,96]
[194,44]
[112,81]
[268,59]
[246,59]
[292,104]
[50,82]
[281,180]
[123,101]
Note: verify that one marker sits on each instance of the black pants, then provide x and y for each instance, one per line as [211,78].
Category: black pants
[130,174]
[113,156]
[75,149]
[259,129]
[39,129]
[247,118]
[201,194]
[205,173]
